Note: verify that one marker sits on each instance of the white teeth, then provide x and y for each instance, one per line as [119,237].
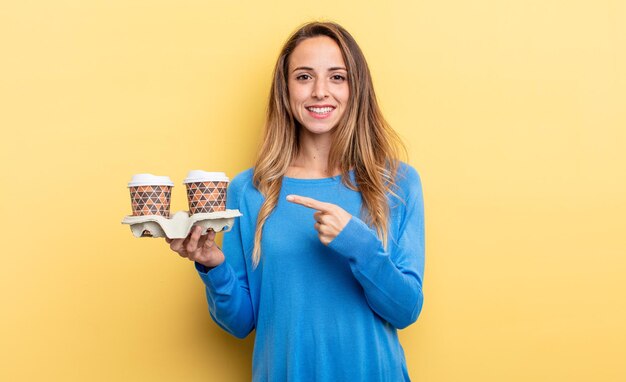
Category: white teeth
[320,110]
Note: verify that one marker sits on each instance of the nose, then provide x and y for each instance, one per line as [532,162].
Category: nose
[319,89]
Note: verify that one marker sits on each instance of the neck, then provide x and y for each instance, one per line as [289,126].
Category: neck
[312,158]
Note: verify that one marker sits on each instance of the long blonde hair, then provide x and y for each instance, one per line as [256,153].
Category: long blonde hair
[362,140]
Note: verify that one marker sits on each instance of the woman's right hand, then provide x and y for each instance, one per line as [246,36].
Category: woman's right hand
[201,249]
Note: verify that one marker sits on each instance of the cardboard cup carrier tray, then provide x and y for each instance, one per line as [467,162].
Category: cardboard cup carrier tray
[179,225]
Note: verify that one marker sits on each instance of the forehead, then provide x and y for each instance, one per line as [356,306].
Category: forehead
[318,52]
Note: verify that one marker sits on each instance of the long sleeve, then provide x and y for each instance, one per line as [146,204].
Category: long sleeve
[392,281]
[227,290]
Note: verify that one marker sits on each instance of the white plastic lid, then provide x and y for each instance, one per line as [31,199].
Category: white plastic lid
[150,180]
[203,176]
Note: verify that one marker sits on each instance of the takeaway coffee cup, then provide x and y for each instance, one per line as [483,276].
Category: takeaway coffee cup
[206,191]
[150,195]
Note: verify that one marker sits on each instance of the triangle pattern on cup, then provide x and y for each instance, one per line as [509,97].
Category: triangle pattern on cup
[151,200]
[206,197]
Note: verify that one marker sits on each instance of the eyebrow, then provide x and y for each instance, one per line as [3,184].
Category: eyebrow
[329,69]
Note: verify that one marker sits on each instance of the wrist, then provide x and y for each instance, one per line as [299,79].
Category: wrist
[207,266]
[203,267]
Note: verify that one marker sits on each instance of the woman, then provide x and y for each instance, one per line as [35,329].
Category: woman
[327,261]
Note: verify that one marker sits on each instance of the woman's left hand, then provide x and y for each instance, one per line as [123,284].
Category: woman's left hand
[330,219]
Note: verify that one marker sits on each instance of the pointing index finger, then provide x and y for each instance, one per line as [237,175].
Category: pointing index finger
[310,203]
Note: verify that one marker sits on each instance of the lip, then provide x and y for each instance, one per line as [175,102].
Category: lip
[326,105]
[321,116]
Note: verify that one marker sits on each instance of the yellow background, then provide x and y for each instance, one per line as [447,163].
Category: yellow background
[513,113]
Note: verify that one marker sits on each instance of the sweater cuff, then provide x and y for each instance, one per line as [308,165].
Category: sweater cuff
[356,240]
[216,278]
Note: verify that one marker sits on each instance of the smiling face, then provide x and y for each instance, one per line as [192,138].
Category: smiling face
[318,84]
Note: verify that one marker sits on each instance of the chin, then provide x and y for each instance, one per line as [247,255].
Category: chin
[318,129]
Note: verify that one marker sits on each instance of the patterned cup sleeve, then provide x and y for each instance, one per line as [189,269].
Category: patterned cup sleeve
[206,196]
[151,200]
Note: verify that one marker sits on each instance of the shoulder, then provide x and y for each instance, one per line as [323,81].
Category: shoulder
[407,187]
[242,193]
[241,181]
[409,197]
[242,178]
[238,189]
[408,179]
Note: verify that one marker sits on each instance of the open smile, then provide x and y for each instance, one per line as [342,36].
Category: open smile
[320,112]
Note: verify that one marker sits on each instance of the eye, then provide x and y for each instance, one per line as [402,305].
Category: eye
[302,77]
[338,77]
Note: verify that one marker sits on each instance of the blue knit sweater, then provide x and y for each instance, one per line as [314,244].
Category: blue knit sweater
[321,313]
